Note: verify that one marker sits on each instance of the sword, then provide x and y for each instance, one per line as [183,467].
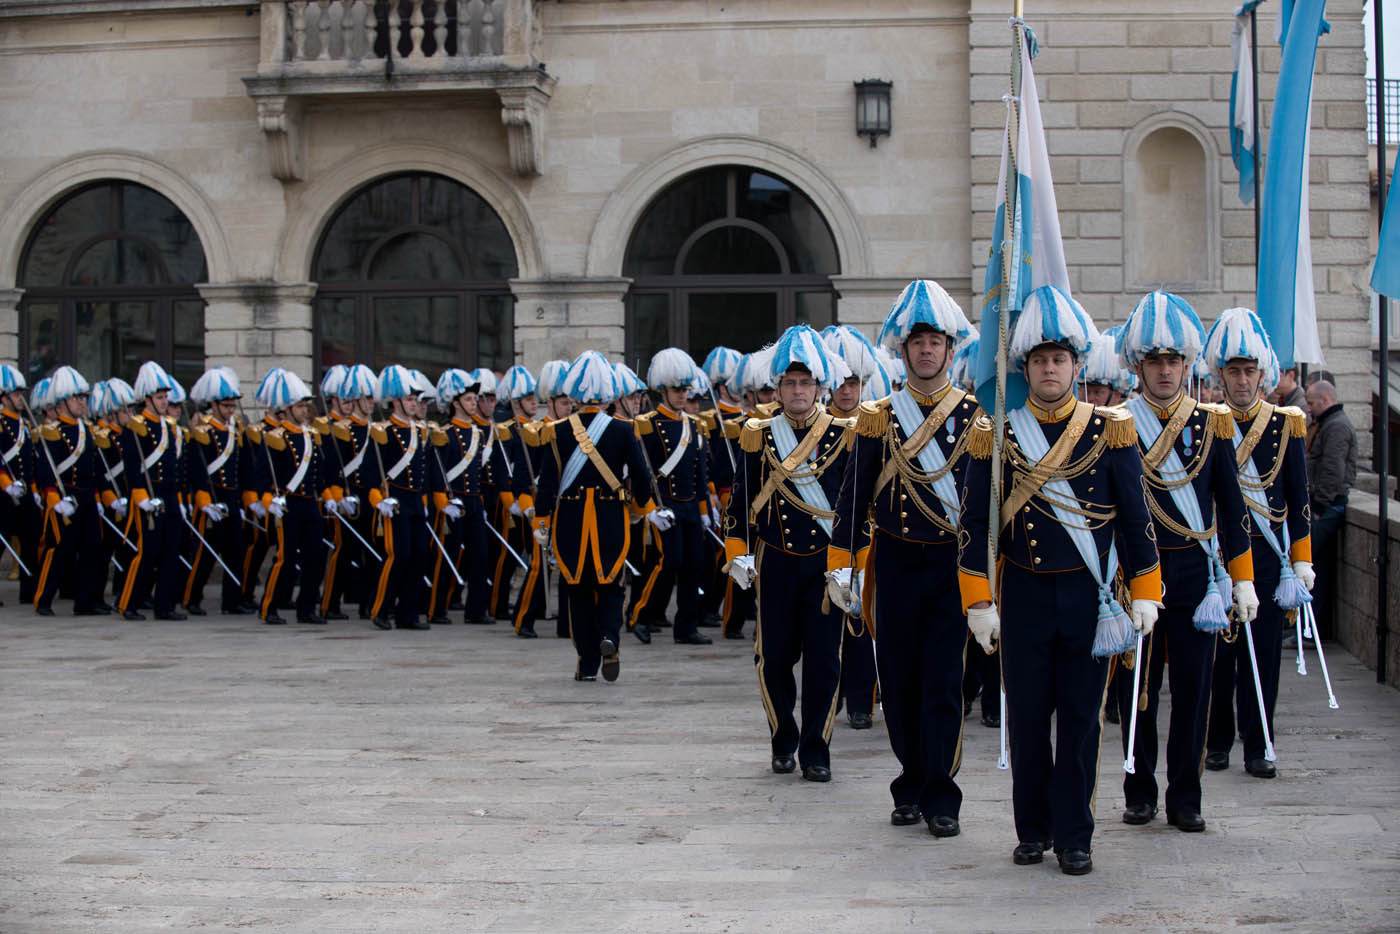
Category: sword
[1258,693]
[48,455]
[1129,765]
[1317,641]
[714,535]
[14,554]
[116,528]
[634,571]
[1004,755]
[445,557]
[368,547]
[210,548]
[513,553]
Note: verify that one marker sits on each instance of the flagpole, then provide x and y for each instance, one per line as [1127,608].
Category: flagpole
[1258,137]
[1382,459]
[1010,250]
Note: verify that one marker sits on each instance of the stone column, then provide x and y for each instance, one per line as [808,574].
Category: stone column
[9,324]
[560,318]
[253,326]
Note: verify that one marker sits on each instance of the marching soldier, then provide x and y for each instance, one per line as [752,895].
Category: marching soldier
[503,478]
[19,516]
[73,485]
[582,511]
[680,481]
[518,386]
[724,422]
[908,462]
[153,449]
[549,390]
[109,405]
[779,525]
[355,569]
[1073,510]
[396,476]
[455,479]
[1203,541]
[712,447]
[221,475]
[330,426]
[294,501]
[1269,453]
[262,534]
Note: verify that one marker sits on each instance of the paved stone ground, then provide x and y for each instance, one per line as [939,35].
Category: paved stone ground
[223,774]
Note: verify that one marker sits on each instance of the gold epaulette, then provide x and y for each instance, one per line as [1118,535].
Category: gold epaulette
[275,440]
[709,420]
[751,437]
[1218,419]
[321,424]
[643,423]
[340,431]
[137,427]
[531,433]
[199,433]
[253,433]
[1119,432]
[733,427]
[1294,418]
[848,430]
[437,436]
[873,419]
[768,409]
[102,437]
[171,421]
[503,432]
[379,433]
[49,431]
[545,433]
[980,438]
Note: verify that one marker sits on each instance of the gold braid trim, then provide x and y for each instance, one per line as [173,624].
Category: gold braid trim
[873,419]
[980,439]
[1294,419]
[1118,430]
[751,437]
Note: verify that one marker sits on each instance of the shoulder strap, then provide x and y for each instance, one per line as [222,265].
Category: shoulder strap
[1055,458]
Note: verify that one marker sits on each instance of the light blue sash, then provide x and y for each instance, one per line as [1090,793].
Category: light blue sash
[1290,593]
[808,487]
[578,458]
[931,459]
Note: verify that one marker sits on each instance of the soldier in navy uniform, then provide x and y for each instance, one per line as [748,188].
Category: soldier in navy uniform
[1269,454]
[295,497]
[343,547]
[1072,517]
[220,476]
[517,386]
[396,476]
[670,438]
[778,528]
[73,484]
[582,511]
[1203,540]
[109,404]
[153,451]
[355,568]
[455,480]
[904,476]
[723,422]
[19,516]
[262,534]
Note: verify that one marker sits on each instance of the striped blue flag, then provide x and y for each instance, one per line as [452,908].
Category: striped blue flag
[1242,91]
[1385,277]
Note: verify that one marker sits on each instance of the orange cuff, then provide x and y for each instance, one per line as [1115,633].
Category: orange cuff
[202,499]
[838,558]
[108,497]
[1241,567]
[50,496]
[526,501]
[139,495]
[249,498]
[334,491]
[507,499]
[974,588]
[1147,586]
[375,496]
[733,548]
[1301,550]
[440,501]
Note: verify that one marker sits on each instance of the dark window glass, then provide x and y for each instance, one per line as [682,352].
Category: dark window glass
[650,327]
[686,206]
[336,320]
[41,345]
[731,251]
[495,332]
[743,321]
[816,308]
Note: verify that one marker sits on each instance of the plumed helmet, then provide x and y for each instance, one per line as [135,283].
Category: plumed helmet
[395,382]
[1161,322]
[332,380]
[39,397]
[1049,316]
[800,346]
[591,378]
[485,379]
[671,368]
[628,382]
[551,381]
[517,383]
[151,379]
[11,379]
[218,384]
[1238,334]
[852,346]
[282,389]
[923,303]
[451,384]
[720,365]
[359,382]
[66,382]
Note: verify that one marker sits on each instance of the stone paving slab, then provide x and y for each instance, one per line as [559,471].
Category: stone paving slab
[220,774]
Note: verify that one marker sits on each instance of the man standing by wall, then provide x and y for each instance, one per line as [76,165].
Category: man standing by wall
[1331,475]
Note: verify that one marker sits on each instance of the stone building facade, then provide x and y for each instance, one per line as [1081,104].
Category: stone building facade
[630,172]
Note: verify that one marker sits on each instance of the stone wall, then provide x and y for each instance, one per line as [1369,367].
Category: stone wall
[1357,584]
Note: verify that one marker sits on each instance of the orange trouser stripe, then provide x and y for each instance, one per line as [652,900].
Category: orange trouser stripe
[387,570]
[134,567]
[270,588]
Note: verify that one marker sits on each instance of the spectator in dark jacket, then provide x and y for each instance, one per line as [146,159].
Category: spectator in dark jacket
[1331,474]
[1289,392]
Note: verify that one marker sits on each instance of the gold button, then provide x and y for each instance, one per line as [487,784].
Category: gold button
[1027,509]
[1037,560]
[787,531]
[904,515]
[1096,437]
[1034,543]
[1091,489]
[1030,525]
[906,528]
[814,531]
[1093,470]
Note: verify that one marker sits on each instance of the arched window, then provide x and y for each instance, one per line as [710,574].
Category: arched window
[109,282]
[1168,238]
[727,255]
[413,269]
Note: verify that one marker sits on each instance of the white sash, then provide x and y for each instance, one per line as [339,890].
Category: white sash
[160,447]
[1149,429]
[353,464]
[305,464]
[218,462]
[20,435]
[467,458]
[808,487]
[674,460]
[931,458]
[578,458]
[67,463]
[1260,498]
[115,470]
[408,453]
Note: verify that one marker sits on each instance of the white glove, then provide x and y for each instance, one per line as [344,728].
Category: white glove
[214,512]
[331,506]
[530,513]
[742,570]
[1304,570]
[1246,601]
[453,510]
[151,504]
[1144,613]
[515,509]
[388,506]
[119,506]
[839,588]
[38,500]
[706,521]
[541,534]
[16,491]
[278,506]
[66,506]
[350,506]
[985,626]
[663,519]
[256,508]
[184,510]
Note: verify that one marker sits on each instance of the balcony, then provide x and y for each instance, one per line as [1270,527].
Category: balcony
[329,49]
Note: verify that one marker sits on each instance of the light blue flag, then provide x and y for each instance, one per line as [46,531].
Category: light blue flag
[1040,253]
[1286,297]
[1385,277]
[1242,136]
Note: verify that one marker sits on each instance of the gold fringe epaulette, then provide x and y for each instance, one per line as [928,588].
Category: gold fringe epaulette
[503,432]
[253,433]
[980,437]
[1119,430]
[708,420]
[848,430]
[102,437]
[1218,419]
[642,423]
[437,436]
[49,431]
[379,432]
[733,427]
[1294,418]
[340,431]
[321,424]
[751,437]
[200,434]
[137,426]
[768,409]
[274,439]
[547,431]
[873,419]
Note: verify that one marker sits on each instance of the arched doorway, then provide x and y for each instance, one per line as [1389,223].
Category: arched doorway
[414,269]
[109,279]
[727,255]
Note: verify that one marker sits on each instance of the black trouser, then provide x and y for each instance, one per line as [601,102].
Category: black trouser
[19,522]
[530,604]
[301,559]
[1047,639]
[682,566]
[466,542]
[561,615]
[1186,574]
[257,544]
[400,590]
[792,627]
[347,566]
[983,674]
[595,613]
[920,634]
[857,667]
[73,549]
[503,574]
[226,536]
[1233,683]
[156,571]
